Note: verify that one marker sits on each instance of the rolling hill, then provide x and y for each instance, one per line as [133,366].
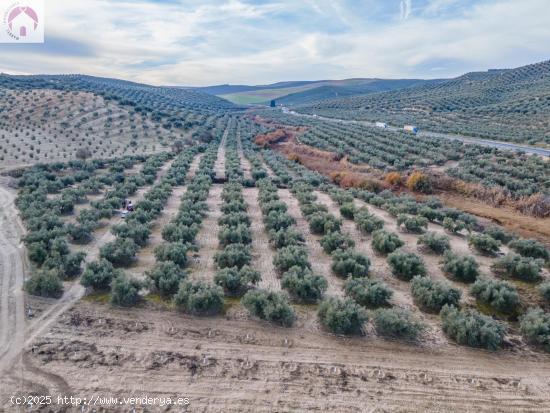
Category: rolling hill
[50,118]
[299,92]
[509,104]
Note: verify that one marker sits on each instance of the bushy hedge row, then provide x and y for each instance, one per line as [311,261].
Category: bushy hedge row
[234,274]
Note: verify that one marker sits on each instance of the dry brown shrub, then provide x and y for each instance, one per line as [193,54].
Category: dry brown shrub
[348,179]
[537,205]
[271,137]
[294,157]
[393,179]
[420,182]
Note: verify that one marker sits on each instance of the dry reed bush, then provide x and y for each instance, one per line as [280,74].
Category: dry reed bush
[537,205]
[348,179]
[271,137]
[393,179]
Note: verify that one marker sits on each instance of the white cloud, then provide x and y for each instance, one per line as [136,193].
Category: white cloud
[238,41]
[405,7]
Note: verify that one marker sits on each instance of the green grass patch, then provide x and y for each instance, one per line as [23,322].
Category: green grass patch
[98,297]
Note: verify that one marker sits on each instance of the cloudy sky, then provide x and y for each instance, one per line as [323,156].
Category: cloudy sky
[183,42]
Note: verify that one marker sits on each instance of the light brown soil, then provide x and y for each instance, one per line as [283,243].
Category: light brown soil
[219,166]
[245,163]
[262,252]
[524,225]
[229,365]
[202,265]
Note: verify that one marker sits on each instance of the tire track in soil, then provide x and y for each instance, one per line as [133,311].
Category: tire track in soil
[253,369]
[13,266]
[245,163]
[262,252]
[202,265]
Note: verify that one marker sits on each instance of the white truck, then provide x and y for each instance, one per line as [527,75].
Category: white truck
[381,125]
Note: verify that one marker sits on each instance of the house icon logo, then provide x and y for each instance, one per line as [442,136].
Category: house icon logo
[23,22]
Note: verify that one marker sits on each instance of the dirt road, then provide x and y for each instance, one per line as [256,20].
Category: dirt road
[237,364]
[12,275]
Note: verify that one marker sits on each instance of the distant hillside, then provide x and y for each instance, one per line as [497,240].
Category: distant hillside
[335,91]
[296,92]
[136,94]
[219,90]
[49,118]
[511,104]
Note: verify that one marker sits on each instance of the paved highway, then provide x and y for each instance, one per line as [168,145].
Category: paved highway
[466,139]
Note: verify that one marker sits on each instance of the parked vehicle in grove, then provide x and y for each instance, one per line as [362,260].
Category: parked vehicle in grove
[410,128]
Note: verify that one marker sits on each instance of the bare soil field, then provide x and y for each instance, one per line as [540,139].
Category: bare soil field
[233,365]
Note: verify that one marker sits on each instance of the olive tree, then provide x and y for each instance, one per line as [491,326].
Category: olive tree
[385,242]
[199,298]
[367,292]
[125,291]
[463,268]
[469,327]
[303,285]
[269,305]
[406,265]
[99,274]
[499,295]
[347,263]
[342,316]
[166,277]
[44,283]
[432,295]
[397,323]
[535,326]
